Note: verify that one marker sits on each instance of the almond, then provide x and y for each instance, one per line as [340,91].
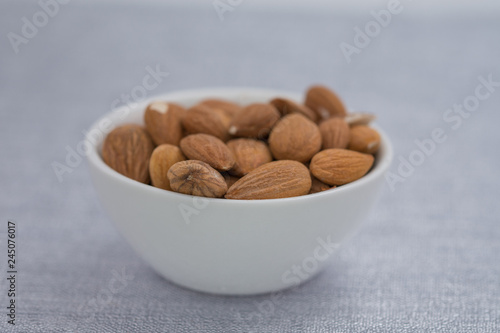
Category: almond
[163,157]
[324,102]
[340,166]
[229,108]
[359,118]
[127,149]
[196,178]
[254,121]
[203,119]
[249,155]
[209,149]
[163,122]
[295,138]
[230,179]
[364,139]
[278,179]
[318,186]
[286,106]
[334,133]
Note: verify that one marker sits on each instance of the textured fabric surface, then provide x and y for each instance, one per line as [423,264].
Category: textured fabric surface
[428,257]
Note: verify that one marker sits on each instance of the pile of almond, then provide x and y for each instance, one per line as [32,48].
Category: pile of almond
[219,149]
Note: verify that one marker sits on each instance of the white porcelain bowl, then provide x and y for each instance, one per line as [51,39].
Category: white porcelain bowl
[232,247]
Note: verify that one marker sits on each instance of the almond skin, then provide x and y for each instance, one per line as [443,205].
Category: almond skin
[286,106]
[162,159]
[295,138]
[364,139]
[254,121]
[230,179]
[204,119]
[127,149]
[209,149]
[278,179]
[229,108]
[196,178]
[335,133]
[163,122]
[318,186]
[249,155]
[340,166]
[324,102]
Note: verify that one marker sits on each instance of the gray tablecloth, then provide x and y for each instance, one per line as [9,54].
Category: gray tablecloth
[427,258]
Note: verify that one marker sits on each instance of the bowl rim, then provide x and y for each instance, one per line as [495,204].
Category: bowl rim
[383,160]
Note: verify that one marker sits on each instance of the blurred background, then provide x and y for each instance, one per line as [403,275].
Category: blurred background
[427,259]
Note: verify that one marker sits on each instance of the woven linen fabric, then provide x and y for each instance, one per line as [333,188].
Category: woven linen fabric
[427,259]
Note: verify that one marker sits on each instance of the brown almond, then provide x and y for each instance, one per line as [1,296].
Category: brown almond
[209,149]
[359,118]
[324,102]
[295,138]
[127,149]
[163,157]
[286,106]
[254,121]
[163,122]
[334,133]
[249,155]
[278,179]
[318,186]
[204,119]
[364,139]
[229,108]
[196,178]
[340,166]
[230,179]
